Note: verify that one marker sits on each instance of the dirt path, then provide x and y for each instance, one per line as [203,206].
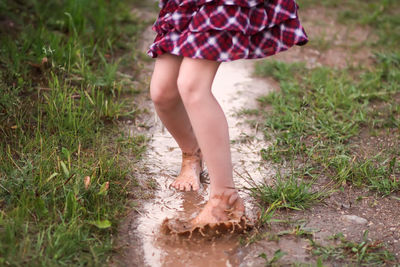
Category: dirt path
[236,90]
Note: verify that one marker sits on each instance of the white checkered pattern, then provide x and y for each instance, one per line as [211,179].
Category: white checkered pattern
[226,30]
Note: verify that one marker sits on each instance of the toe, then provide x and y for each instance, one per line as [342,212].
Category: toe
[181,187]
[187,187]
[195,186]
[177,185]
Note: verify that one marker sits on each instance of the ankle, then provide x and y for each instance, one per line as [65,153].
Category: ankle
[193,152]
[224,192]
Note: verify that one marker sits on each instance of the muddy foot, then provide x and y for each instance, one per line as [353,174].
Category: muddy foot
[221,208]
[189,177]
[222,214]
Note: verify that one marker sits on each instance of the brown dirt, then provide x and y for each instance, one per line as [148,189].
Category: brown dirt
[331,44]
[371,143]
[377,215]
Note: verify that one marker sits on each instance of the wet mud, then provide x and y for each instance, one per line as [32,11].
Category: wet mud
[186,228]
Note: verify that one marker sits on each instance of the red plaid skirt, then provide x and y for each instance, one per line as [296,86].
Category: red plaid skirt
[226,30]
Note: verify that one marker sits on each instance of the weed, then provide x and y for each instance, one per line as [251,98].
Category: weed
[287,192]
[298,231]
[278,254]
[365,253]
[247,111]
[279,70]
[378,177]
[257,236]
[267,215]
[136,144]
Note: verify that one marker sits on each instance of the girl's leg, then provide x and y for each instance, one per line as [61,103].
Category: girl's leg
[170,109]
[211,129]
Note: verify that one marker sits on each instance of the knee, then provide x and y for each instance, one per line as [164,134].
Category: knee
[164,93]
[189,89]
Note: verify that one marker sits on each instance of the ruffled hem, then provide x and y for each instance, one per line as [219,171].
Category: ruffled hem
[226,30]
[248,17]
[244,3]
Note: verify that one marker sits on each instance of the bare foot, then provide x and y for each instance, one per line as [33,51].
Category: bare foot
[223,213]
[189,177]
[225,207]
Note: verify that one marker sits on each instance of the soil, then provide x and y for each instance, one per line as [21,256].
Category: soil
[331,44]
[141,239]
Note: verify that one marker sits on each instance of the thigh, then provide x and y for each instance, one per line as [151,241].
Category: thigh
[165,74]
[197,73]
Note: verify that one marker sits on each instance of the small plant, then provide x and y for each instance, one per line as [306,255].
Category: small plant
[278,254]
[267,215]
[365,253]
[286,192]
[257,236]
[377,173]
[298,231]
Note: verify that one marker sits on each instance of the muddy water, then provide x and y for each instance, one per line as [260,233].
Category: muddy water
[235,88]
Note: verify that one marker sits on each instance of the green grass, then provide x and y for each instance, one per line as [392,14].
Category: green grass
[287,192]
[278,254]
[339,124]
[365,253]
[317,111]
[61,91]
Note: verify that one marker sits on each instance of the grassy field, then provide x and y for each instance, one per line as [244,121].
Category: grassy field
[322,121]
[63,166]
[318,112]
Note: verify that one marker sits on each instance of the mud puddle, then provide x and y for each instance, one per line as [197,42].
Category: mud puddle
[235,89]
